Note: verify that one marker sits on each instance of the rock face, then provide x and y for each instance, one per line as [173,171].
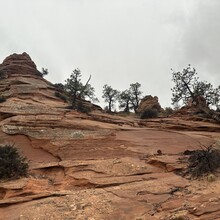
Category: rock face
[149,102]
[18,64]
[97,166]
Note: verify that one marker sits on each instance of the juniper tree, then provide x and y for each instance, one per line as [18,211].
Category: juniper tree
[188,87]
[110,96]
[77,90]
[135,94]
[125,100]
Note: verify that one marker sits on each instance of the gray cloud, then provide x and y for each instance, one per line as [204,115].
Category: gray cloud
[119,42]
[200,40]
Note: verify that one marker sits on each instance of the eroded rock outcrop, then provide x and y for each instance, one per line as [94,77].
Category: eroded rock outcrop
[149,102]
[96,166]
[18,64]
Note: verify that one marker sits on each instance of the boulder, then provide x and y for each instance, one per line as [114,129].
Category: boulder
[149,102]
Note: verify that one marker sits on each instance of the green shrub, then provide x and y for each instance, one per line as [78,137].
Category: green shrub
[2,74]
[83,108]
[61,96]
[12,165]
[168,111]
[2,99]
[149,113]
[60,87]
[80,107]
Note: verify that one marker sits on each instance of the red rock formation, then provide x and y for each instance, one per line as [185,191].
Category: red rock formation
[115,163]
[19,64]
[149,102]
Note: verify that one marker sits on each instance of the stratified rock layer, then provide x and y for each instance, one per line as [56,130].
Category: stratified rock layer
[97,166]
[19,64]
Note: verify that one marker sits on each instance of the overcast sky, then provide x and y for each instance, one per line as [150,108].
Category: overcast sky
[118,42]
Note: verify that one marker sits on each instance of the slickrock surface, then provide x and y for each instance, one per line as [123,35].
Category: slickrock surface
[97,166]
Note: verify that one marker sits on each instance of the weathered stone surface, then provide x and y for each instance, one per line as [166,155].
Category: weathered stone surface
[97,166]
[18,64]
[149,102]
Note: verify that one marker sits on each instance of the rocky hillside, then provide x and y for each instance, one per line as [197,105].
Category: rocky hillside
[97,166]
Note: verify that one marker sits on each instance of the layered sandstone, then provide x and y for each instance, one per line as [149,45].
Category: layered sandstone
[97,166]
[149,102]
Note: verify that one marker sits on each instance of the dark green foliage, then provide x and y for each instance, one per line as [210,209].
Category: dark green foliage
[83,108]
[130,98]
[110,96]
[77,90]
[2,74]
[2,99]
[203,161]
[205,89]
[125,100]
[149,113]
[38,73]
[61,96]
[188,87]
[168,111]
[44,72]
[135,95]
[184,84]
[60,87]
[80,107]
[12,165]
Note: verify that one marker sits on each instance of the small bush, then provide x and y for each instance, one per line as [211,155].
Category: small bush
[2,99]
[2,74]
[168,111]
[38,73]
[60,87]
[83,108]
[80,107]
[61,96]
[12,165]
[149,113]
[203,161]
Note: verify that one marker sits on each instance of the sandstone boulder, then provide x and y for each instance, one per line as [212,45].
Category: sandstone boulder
[149,102]
[19,64]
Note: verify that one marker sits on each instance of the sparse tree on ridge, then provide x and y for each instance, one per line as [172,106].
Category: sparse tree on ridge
[188,87]
[135,95]
[125,100]
[110,96]
[77,90]
[185,82]
[44,72]
[130,98]
[59,86]
[211,94]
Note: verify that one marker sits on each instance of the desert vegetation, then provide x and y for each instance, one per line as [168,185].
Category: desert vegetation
[188,88]
[2,99]
[149,113]
[77,90]
[12,164]
[203,161]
